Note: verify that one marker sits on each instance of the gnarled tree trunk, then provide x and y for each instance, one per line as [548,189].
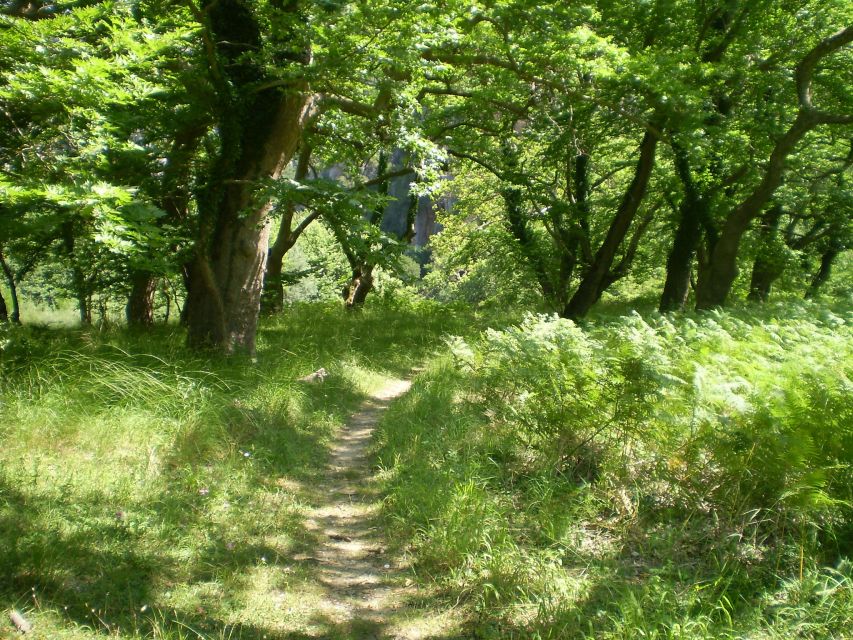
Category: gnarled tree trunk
[259,130]
[718,276]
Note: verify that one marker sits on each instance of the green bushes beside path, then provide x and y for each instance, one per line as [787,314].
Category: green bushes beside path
[655,477]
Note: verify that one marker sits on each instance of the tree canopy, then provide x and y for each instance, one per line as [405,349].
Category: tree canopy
[582,143]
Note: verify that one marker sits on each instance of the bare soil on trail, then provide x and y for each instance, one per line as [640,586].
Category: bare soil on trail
[366,592]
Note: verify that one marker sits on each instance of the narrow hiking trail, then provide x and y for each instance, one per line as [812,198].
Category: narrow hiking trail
[367,594]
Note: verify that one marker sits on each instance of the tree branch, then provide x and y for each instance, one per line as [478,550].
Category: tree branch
[805,71]
[488,167]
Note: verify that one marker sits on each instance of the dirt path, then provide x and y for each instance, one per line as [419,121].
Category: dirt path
[367,594]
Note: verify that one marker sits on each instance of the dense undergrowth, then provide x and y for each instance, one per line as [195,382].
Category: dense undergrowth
[639,477]
[147,492]
[659,477]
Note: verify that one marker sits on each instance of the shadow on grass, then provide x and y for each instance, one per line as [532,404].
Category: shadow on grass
[79,563]
[97,560]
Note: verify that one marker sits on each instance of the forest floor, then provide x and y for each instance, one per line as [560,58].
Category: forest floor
[148,492]
[368,593]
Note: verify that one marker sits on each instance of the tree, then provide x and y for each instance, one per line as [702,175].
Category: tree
[259,118]
[83,162]
[717,276]
[552,120]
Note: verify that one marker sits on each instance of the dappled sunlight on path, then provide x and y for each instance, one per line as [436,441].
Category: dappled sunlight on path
[365,592]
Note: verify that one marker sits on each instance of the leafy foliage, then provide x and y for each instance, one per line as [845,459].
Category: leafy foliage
[597,472]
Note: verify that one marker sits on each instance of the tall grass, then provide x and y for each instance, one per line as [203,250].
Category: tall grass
[654,477]
[148,492]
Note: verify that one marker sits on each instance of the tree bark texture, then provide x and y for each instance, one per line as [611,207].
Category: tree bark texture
[259,132]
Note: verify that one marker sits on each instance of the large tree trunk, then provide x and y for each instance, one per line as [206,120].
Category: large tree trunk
[823,273]
[718,276]
[590,288]
[4,311]
[140,304]
[259,131]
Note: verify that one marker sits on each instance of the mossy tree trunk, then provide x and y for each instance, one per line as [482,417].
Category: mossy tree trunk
[259,124]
